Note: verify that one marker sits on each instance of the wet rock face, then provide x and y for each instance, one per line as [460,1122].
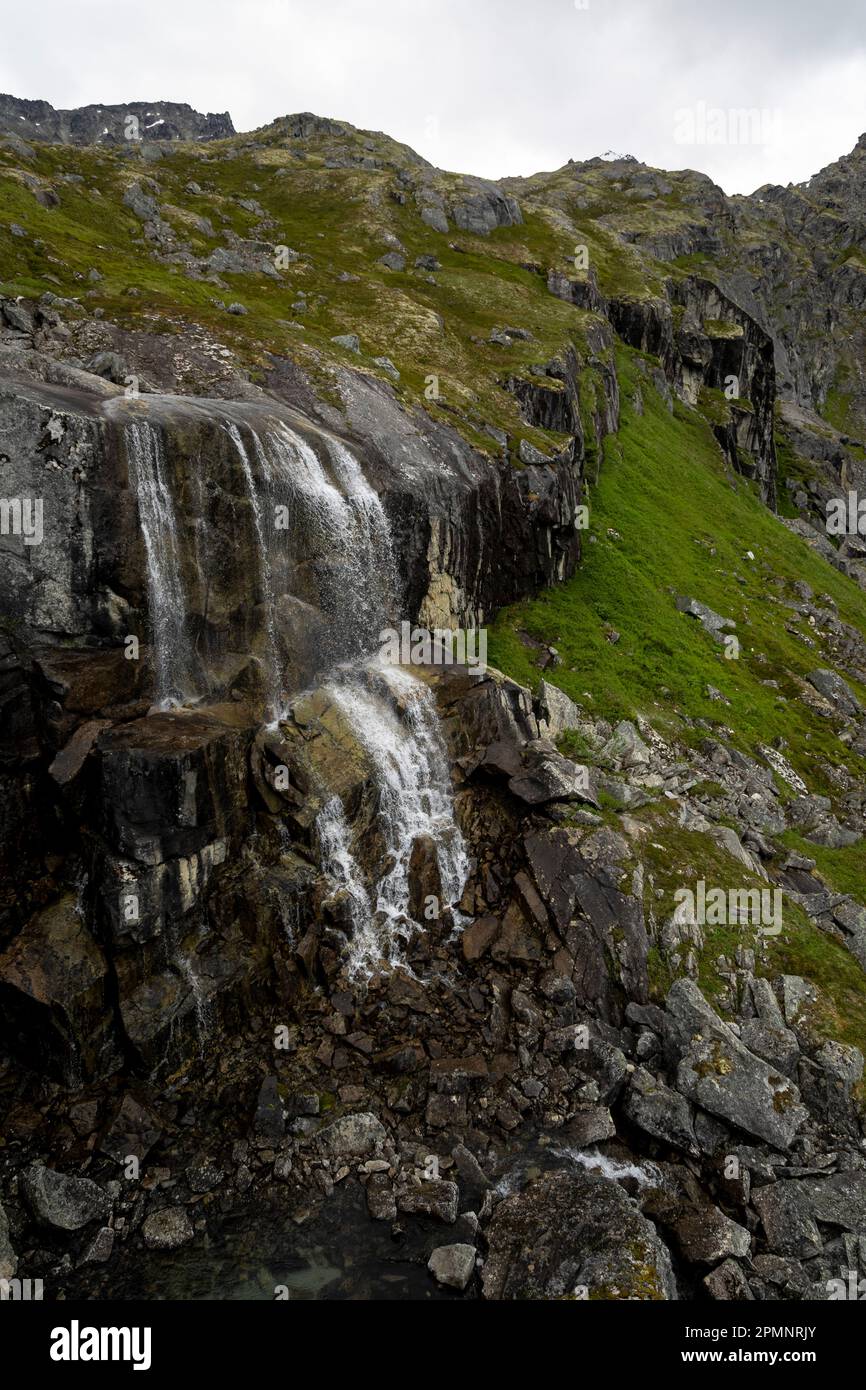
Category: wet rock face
[53,578]
[718,346]
[703,339]
[172,784]
[470,534]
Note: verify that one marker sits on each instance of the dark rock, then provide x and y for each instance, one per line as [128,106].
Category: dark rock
[569,1231]
[54,997]
[786,1212]
[706,1236]
[133,1131]
[437,1198]
[452,1265]
[269,1121]
[167,1229]
[361,1135]
[659,1111]
[8,1258]
[63,1201]
[728,1282]
[718,1073]
[590,1126]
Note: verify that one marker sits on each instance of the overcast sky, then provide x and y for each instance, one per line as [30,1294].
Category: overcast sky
[491,87]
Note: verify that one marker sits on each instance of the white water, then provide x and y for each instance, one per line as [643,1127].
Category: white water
[413,786]
[340,866]
[615,1170]
[275,680]
[164,575]
[645,1175]
[339,531]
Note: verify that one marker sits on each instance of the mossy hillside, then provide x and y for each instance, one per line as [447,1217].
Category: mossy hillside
[843,869]
[668,519]
[338,221]
[675,858]
[334,195]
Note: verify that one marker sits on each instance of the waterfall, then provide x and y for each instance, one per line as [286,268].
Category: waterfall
[277,703]
[164,575]
[334,535]
[342,870]
[357,590]
[373,551]
[413,787]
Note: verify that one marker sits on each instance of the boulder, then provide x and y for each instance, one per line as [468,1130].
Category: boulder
[603,927]
[787,1215]
[452,1265]
[711,622]
[350,341]
[728,1282]
[626,749]
[63,1201]
[831,685]
[719,1074]
[55,1009]
[269,1121]
[438,1198]
[359,1136]
[706,1236]
[547,776]
[574,1235]
[660,1112]
[556,712]
[167,1229]
[590,1125]
[133,1131]
[8,1258]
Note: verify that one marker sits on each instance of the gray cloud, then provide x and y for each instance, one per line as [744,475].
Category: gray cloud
[485,86]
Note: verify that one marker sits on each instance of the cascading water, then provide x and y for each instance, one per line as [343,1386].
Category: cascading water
[339,864]
[414,800]
[164,574]
[336,528]
[275,681]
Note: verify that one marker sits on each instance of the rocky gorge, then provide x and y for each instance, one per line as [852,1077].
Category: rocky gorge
[323,976]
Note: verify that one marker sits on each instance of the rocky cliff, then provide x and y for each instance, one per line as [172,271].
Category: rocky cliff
[411,952]
[110,125]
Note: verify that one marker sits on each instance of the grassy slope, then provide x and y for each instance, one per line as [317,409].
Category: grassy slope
[337,219]
[684,527]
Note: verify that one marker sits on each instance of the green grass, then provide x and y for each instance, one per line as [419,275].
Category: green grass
[676,858]
[843,870]
[337,219]
[685,525]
